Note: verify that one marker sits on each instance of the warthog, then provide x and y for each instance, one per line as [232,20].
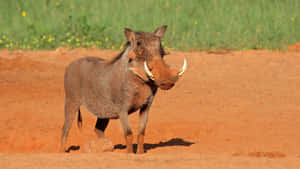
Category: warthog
[114,89]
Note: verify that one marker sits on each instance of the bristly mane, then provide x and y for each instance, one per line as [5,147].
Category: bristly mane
[120,54]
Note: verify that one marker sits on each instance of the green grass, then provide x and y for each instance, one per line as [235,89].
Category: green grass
[193,24]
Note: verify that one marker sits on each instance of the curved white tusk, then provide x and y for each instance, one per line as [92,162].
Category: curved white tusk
[148,71]
[183,68]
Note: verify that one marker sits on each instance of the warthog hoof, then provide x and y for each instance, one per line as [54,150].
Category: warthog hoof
[98,146]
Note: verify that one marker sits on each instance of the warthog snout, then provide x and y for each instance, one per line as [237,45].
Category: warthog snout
[164,77]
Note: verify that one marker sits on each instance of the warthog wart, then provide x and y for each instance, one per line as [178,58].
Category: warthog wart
[114,89]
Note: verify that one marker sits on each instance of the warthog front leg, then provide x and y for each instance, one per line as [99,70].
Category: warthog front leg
[143,122]
[127,131]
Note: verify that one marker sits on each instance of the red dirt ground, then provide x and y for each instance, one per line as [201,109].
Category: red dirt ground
[229,110]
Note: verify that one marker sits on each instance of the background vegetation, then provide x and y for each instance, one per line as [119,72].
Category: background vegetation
[193,24]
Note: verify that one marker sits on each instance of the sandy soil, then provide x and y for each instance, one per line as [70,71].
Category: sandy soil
[230,110]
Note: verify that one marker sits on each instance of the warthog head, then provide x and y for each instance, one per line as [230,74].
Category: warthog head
[147,58]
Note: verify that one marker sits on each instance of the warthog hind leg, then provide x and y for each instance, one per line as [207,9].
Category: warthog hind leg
[100,127]
[70,112]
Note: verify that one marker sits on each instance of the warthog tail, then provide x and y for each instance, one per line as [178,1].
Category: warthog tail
[79,119]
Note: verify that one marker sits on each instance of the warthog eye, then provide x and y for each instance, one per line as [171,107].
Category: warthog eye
[139,43]
[130,60]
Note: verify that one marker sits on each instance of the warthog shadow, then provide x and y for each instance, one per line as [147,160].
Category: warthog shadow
[72,148]
[147,146]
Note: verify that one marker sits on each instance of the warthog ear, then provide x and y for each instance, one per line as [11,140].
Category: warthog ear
[160,32]
[129,36]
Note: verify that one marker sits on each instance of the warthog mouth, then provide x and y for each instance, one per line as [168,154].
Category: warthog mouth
[151,76]
[163,77]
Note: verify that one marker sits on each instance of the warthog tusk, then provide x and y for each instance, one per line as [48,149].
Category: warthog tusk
[137,72]
[183,68]
[148,71]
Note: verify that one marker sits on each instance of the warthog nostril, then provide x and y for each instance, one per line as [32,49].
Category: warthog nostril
[166,86]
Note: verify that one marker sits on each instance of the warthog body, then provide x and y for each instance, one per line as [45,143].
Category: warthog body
[114,89]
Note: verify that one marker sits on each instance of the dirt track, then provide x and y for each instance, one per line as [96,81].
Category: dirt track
[230,110]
